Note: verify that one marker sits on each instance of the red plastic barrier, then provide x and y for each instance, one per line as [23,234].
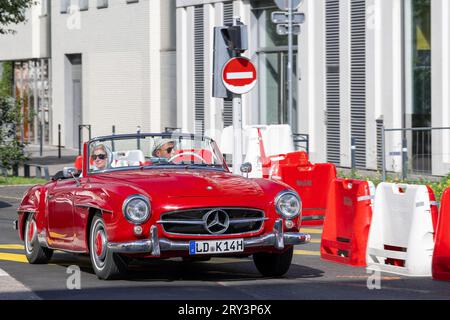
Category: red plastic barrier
[434,209]
[347,222]
[79,163]
[311,181]
[441,254]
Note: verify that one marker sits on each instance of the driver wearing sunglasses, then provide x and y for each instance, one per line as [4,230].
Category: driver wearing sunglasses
[164,148]
[100,157]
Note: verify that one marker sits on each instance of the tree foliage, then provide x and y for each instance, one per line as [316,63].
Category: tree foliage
[11,150]
[12,12]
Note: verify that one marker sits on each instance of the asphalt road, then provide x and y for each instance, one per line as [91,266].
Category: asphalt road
[309,277]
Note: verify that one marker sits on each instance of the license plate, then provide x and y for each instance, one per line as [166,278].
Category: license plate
[216,246]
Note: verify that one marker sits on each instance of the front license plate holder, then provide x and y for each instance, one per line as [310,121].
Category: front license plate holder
[216,246]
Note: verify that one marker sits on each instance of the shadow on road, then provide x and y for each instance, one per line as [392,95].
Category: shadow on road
[4,205]
[227,269]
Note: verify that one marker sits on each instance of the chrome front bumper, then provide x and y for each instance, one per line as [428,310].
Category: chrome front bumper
[155,245]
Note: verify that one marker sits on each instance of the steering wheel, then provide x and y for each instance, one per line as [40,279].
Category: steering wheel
[188,153]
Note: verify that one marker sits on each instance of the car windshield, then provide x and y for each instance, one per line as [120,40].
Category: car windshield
[123,152]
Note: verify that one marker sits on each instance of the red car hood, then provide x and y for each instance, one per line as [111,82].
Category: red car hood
[188,183]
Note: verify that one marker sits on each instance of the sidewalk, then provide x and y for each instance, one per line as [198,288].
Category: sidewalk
[49,158]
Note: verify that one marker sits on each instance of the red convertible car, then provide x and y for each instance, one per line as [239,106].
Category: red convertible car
[147,196]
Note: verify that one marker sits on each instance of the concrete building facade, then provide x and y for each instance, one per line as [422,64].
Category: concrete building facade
[110,63]
[360,65]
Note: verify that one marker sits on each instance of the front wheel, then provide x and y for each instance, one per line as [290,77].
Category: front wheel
[273,264]
[35,253]
[107,265]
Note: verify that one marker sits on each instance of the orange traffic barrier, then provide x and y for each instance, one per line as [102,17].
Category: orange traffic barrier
[441,255]
[311,181]
[347,222]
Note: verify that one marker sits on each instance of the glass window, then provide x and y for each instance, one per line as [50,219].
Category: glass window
[272,67]
[421,116]
[420,113]
[65,4]
[102,4]
[84,5]
[153,151]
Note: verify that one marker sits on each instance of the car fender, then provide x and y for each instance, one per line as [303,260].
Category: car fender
[32,203]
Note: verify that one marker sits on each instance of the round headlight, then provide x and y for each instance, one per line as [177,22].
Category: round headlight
[288,204]
[136,209]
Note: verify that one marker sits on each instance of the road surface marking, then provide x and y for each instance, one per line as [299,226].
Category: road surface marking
[315,241]
[11,289]
[313,231]
[13,257]
[366,277]
[12,247]
[10,198]
[307,253]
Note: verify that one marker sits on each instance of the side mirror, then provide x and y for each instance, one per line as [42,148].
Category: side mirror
[69,172]
[246,168]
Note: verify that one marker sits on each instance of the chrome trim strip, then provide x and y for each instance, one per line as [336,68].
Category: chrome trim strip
[93,207]
[187,222]
[247,220]
[16,225]
[276,239]
[27,211]
[201,222]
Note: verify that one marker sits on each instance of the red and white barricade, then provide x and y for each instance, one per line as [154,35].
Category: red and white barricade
[311,181]
[401,237]
[441,255]
[347,222]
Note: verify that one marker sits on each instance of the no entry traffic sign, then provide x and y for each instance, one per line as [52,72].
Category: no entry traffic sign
[239,75]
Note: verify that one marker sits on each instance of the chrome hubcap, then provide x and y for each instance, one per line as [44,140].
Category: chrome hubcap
[99,245]
[30,235]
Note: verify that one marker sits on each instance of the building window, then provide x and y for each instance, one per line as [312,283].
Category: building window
[65,4]
[272,63]
[102,4]
[418,113]
[44,7]
[84,5]
[421,114]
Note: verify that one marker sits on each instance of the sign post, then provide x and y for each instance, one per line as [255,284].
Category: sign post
[239,77]
[233,75]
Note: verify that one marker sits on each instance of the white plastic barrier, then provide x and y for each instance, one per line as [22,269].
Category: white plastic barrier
[401,234]
[277,139]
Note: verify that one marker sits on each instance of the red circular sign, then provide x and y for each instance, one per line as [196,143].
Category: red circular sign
[239,75]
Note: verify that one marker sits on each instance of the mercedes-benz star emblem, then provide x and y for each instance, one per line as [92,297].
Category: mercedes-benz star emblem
[216,221]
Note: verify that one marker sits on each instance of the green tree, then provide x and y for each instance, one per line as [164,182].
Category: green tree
[12,12]
[11,150]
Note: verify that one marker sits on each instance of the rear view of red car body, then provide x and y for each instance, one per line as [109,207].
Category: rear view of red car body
[151,208]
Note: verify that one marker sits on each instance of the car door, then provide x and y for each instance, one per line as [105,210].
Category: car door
[60,213]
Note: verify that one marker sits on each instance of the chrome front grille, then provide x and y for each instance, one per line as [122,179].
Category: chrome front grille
[213,221]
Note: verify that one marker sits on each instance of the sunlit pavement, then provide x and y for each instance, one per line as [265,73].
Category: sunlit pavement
[309,277]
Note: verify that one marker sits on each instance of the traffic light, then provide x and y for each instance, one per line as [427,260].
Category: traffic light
[229,42]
